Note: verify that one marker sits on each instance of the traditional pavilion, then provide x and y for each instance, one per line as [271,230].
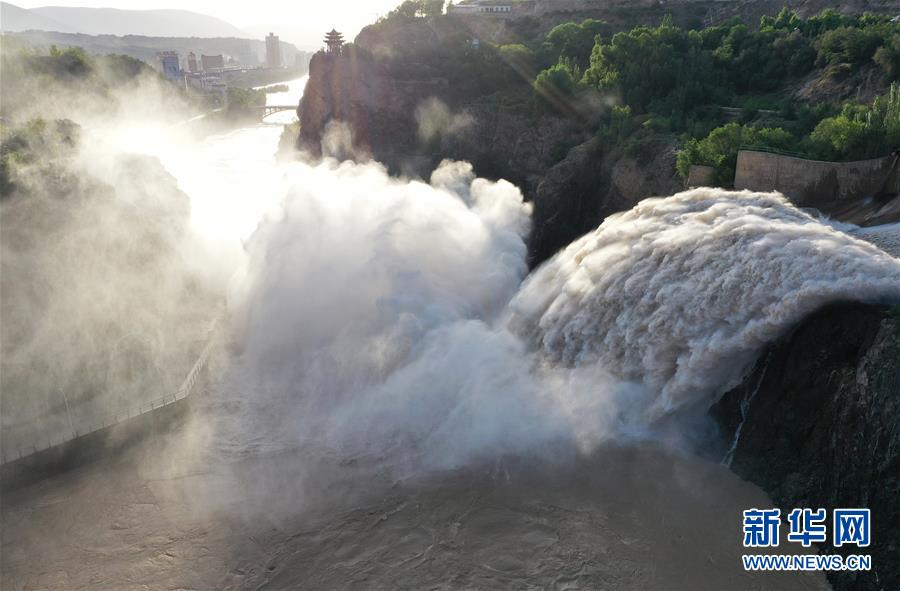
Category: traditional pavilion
[334,41]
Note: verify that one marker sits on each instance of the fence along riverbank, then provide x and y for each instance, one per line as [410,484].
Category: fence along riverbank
[44,454]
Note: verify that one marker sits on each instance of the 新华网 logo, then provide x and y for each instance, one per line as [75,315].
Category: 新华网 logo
[849,527]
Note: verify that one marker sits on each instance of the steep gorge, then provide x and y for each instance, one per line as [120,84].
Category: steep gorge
[823,425]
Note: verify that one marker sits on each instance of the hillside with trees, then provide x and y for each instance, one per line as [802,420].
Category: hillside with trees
[591,117]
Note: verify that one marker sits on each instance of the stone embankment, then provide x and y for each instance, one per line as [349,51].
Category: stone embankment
[863,192]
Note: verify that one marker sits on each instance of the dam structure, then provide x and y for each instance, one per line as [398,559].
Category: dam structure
[863,192]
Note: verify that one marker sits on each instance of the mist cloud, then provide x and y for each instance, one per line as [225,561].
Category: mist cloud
[435,120]
[386,316]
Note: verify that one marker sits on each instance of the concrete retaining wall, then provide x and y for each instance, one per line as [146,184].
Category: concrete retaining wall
[701,176]
[101,443]
[812,183]
[46,453]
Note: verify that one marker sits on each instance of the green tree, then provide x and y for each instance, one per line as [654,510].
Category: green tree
[574,41]
[411,9]
[762,60]
[787,19]
[860,131]
[407,10]
[521,59]
[837,137]
[848,45]
[117,68]
[827,20]
[652,64]
[555,87]
[432,8]
[72,62]
[241,99]
[720,148]
[888,57]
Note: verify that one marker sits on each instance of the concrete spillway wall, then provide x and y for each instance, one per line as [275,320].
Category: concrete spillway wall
[42,440]
[53,459]
[813,183]
[48,452]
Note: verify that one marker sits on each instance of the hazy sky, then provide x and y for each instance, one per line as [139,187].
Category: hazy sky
[299,21]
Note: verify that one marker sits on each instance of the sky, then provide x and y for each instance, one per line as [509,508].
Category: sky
[296,21]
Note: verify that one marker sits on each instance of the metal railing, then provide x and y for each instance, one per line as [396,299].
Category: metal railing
[767,149]
[806,156]
[46,442]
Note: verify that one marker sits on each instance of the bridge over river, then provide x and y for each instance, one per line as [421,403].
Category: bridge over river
[272,109]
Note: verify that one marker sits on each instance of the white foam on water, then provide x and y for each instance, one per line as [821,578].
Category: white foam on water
[886,237]
[386,314]
[682,293]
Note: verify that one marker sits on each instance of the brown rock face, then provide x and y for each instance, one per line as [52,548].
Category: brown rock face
[818,425]
[633,178]
[591,183]
[355,89]
[411,104]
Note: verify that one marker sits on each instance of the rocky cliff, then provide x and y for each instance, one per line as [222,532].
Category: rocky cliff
[816,423]
[352,88]
[416,93]
[592,182]
[413,93]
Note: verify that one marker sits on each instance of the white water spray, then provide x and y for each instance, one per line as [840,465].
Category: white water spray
[377,311]
[682,293]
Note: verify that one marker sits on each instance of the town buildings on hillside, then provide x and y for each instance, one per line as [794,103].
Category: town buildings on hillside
[208,74]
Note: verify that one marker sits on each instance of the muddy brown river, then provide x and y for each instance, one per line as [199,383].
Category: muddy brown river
[190,510]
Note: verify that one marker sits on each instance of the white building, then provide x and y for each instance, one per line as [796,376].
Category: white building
[483,8]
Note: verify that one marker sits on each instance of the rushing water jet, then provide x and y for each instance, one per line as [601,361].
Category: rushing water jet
[682,293]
